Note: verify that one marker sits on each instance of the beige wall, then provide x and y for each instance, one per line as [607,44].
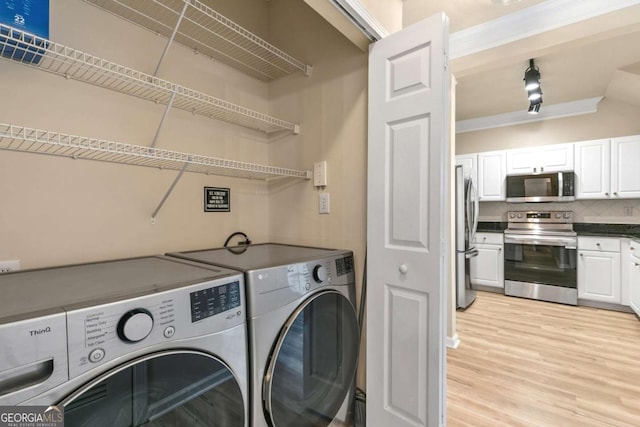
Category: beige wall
[58,210]
[332,107]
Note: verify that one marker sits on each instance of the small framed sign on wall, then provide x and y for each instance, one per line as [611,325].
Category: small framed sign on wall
[217,199]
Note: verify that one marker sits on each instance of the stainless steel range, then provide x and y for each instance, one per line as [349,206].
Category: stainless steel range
[540,256]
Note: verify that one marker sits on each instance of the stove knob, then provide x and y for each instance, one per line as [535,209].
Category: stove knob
[558,215]
[135,325]
[519,215]
[319,273]
[567,215]
[512,215]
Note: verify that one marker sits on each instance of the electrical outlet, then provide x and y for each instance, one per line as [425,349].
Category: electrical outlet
[11,265]
[628,211]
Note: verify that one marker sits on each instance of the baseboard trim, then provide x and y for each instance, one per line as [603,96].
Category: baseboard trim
[453,342]
[605,305]
[488,289]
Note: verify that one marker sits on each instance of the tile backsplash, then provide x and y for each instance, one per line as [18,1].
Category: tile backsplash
[595,211]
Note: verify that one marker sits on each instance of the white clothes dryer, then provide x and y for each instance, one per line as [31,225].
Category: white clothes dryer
[153,340]
[303,331]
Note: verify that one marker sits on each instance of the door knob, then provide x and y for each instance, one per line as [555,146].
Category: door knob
[403,268]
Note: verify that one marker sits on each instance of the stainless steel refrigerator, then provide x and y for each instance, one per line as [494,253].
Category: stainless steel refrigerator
[466,221]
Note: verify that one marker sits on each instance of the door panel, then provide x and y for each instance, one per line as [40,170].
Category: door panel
[408,193]
[408,182]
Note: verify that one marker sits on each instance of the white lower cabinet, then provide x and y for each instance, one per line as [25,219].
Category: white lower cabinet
[599,269]
[633,264]
[487,269]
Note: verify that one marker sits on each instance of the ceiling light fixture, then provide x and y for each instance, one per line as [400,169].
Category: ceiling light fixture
[532,86]
[531,76]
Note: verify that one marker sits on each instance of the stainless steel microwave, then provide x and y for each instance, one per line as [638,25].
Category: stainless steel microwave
[542,187]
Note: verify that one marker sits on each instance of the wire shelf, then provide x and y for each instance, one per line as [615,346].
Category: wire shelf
[58,59]
[19,138]
[205,30]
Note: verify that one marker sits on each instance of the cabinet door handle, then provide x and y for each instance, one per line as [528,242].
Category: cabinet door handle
[541,169]
[581,254]
[606,194]
[535,169]
[598,244]
[615,193]
[499,250]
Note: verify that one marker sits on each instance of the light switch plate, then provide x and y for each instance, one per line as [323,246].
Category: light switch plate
[324,203]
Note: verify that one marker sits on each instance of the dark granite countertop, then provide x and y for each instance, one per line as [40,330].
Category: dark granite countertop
[491,227]
[607,230]
[582,228]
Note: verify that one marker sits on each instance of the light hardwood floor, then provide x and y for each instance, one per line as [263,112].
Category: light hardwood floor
[532,363]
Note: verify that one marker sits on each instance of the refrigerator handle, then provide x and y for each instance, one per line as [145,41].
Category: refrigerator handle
[473,208]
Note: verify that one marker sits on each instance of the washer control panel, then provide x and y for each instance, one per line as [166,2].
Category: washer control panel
[99,334]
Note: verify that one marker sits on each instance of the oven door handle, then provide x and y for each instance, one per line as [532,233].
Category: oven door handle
[566,242]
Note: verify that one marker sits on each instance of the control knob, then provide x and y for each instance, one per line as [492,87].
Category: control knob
[519,215]
[319,273]
[567,215]
[135,325]
[558,215]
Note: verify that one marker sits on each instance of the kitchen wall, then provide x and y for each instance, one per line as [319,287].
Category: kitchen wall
[58,210]
[613,119]
[331,104]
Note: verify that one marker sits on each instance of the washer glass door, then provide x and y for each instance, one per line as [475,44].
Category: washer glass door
[313,364]
[172,388]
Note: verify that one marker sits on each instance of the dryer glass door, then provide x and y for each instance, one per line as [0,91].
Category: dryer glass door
[174,388]
[312,367]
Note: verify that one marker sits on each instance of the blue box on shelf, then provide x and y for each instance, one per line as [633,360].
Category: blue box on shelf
[19,19]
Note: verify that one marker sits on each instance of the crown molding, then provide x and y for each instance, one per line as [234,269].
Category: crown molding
[548,112]
[528,22]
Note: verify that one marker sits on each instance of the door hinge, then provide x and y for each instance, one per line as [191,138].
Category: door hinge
[446,60]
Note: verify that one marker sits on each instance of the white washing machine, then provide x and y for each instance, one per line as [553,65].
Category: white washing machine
[303,331]
[153,340]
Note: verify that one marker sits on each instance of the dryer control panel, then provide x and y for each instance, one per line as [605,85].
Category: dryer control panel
[270,288]
[102,333]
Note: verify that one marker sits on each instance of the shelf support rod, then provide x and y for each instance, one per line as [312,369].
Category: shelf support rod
[164,116]
[173,36]
[166,195]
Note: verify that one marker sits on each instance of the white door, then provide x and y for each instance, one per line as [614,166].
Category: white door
[408,195]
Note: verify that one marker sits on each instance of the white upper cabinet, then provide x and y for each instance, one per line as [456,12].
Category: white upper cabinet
[625,167]
[593,169]
[492,170]
[608,169]
[469,164]
[547,158]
